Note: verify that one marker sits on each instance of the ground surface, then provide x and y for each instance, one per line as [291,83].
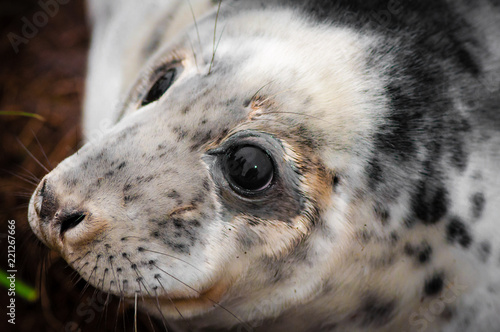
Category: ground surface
[45,76]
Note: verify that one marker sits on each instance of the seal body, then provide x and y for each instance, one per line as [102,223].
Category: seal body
[288,165]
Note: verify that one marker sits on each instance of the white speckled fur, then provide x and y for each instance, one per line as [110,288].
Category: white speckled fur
[339,264]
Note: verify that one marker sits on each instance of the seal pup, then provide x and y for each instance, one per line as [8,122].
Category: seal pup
[288,165]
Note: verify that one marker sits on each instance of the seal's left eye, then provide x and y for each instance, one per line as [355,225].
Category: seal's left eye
[248,169]
[160,86]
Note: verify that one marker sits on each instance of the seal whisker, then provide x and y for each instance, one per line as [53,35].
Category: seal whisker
[193,289]
[90,276]
[80,257]
[23,178]
[215,34]
[172,256]
[260,89]
[117,315]
[194,54]
[197,33]
[135,313]
[169,298]
[42,150]
[151,322]
[163,319]
[31,155]
[32,176]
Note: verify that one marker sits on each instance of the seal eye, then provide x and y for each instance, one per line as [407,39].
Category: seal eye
[248,169]
[161,85]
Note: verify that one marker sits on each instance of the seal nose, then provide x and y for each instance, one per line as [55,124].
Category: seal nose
[51,213]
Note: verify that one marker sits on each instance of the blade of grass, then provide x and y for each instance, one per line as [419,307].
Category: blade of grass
[27,114]
[23,290]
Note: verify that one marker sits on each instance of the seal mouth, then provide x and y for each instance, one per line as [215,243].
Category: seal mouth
[186,305]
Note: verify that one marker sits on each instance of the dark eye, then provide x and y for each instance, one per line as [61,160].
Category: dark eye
[249,168]
[161,85]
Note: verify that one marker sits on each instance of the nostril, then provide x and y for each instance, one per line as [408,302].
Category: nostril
[70,220]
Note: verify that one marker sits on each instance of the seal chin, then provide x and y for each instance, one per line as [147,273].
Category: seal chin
[188,306]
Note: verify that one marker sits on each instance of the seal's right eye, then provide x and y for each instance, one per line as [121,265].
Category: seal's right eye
[160,86]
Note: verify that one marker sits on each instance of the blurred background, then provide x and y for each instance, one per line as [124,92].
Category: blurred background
[43,50]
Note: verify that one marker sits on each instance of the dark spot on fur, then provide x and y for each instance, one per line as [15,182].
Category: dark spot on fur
[185,110]
[374,173]
[434,285]
[425,252]
[335,181]
[458,157]
[478,202]
[155,234]
[140,249]
[200,138]
[484,251]
[194,223]
[181,133]
[119,269]
[447,314]
[375,312]
[198,199]
[72,182]
[422,252]
[431,209]
[382,213]
[109,174]
[394,238]
[178,223]
[127,187]
[133,266]
[173,194]
[129,198]
[305,137]
[121,165]
[179,247]
[206,185]
[253,221]
[477,175]
[364,236]
[409,249]
[457,232]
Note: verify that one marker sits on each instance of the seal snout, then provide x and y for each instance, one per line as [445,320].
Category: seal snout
[52,217]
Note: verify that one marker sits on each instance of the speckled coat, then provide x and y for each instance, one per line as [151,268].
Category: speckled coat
[382,120]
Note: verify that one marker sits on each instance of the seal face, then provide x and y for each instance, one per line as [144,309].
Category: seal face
[288,165]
